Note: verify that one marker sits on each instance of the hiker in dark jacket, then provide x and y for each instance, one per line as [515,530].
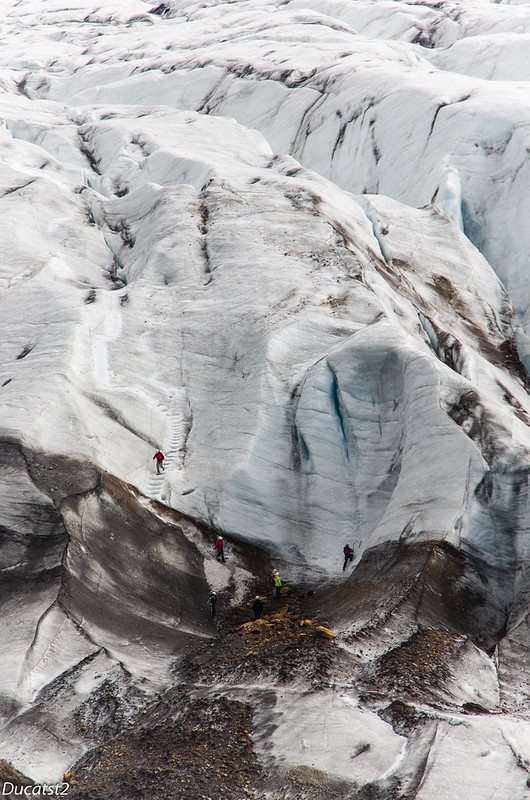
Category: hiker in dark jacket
[211,602]
[257,607]
[348,555]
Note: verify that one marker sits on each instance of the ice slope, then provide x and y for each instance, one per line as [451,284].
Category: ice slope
[198,255]
[380,97]
[293,377]
[317,366]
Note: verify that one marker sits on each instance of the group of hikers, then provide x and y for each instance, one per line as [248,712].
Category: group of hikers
[257,603]
[274,579]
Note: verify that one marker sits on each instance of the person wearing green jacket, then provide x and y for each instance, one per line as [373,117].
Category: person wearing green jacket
[212,601]
[276,583]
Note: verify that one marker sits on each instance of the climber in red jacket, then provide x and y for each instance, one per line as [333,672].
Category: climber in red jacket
[159,462]
[219,546]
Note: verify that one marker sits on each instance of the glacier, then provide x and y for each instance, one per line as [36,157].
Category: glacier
[284,242]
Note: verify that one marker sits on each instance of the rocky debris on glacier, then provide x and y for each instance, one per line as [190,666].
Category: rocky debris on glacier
[186,749]
[12,777]
[319,363]
[312,729]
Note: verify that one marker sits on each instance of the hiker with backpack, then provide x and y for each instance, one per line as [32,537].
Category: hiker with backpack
[220,549]
[257,607]
[212,600]
[276,582]
[159,458]
[348,555]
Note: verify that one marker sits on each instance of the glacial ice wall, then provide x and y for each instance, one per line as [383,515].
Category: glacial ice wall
[293,370]
[378,97]
[269,239]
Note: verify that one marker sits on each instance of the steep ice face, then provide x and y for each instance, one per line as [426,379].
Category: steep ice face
[318,362]
[292,378]
[491,56]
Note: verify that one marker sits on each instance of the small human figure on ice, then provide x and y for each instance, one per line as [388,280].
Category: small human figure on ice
[159,457]
[219,546]
[348,555]
[212,600]
[257,607]
[276,583]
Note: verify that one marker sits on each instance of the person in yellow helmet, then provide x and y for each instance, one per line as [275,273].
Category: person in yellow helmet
[276,582]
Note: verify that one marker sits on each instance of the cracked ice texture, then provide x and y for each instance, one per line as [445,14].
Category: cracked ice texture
[318,366]
[291,348]
[382,97]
